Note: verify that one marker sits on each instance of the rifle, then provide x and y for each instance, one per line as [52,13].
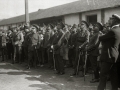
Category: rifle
[36,53]
[54,60]
[80,53]
[85,62]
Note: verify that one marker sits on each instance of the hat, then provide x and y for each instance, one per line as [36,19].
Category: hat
[26,27]
[99,25]
[48,26]
[115,16]
[36,26]
[61,25]
[74,26]
[86,23]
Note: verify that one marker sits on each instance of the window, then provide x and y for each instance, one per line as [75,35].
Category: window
[92,19]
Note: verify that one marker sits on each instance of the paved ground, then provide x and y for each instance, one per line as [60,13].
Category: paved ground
[16,77]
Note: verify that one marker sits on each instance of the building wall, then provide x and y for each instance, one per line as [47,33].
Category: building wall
[71,19]
[14,25]
[1,27]
[97,12]
[110,11]
[5,28]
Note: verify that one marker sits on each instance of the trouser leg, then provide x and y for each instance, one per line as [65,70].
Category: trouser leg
[57,62]
[61,64]
[93,60]
[114,77]
[105,68]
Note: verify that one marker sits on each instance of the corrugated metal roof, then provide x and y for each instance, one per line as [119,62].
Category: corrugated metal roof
[74,7]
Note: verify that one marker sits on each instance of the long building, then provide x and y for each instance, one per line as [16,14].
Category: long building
[71,13]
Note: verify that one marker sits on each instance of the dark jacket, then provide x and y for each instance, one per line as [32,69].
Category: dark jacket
[18,38]
[93,45]
[71,41]
[110,42]
[33,41]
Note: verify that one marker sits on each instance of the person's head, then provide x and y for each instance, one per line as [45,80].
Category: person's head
[9,32]
[91,32]
[34,28]
[84,25]
[55,29]
[65,28]
[59,26]
[98,27]
[26,28]
[74,30]
[14,29]
[48,28]
[69,27]
[114,20]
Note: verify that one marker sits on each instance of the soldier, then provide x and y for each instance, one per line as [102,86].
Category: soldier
[71,44]
[10,49]
[64,46]
[48,34]
[59,63]
[82,38]
[94,51]
[33,43]
[17,44]
[3,42]
[109,54]
[40,48]
[25,43]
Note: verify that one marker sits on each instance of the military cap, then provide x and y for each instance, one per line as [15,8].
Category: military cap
[36,26]
[74,26]
[86,23]
[99,25]
[61,25]
[26,27]
[115,16]
[48,26]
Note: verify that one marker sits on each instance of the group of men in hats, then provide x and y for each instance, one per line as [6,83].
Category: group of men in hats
[80,47]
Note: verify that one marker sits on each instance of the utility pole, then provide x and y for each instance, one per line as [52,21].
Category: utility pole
[27,21]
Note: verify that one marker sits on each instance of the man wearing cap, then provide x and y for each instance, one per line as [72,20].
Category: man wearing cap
[109,54]
[93,50]
[57,42]
[3,39]
[47,36]
[25,43]
[33,43]
[71,44]
[81,40]
[17,41]
[9,45]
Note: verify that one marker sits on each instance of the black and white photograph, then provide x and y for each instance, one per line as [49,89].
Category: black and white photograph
[59,44]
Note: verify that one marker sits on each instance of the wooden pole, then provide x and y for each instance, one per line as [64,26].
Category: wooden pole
[27,21]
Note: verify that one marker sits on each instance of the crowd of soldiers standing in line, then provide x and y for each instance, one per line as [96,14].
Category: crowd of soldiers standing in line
[81,45]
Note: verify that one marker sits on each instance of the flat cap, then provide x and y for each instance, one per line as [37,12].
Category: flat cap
[116,16]
[36,26]
[99,25]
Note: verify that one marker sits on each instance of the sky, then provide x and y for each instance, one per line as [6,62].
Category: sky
[12,8]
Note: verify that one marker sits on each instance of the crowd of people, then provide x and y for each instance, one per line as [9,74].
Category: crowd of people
[79,47]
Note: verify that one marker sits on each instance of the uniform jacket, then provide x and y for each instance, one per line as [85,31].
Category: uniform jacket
[26,39]
[3,40]
[18,38]
[82,37]
[56,39]
[64,48]
[93,45]
[33,41]
[46,39]
[110,42]
[71,41]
